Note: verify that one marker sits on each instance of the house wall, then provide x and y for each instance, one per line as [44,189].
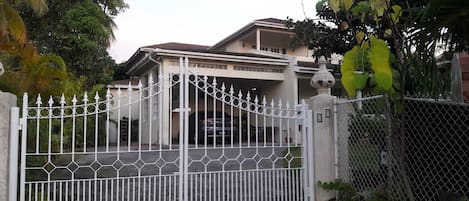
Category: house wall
[243,46]
[123,110]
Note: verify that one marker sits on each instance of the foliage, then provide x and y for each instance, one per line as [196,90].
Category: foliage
[27,71]
[348,193]
[414,32]
[12,27]
[80,32]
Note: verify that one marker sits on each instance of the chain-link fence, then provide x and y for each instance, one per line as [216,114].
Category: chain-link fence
[362,143]
[422,156]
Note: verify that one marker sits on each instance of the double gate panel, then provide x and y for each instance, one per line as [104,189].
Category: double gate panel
[179,137]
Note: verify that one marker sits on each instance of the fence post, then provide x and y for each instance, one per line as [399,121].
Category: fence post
[7,102]
[323,127]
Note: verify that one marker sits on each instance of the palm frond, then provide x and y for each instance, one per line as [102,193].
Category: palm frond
[12,23]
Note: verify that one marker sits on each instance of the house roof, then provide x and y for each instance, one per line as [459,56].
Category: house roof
[202,49]
[272,20]
[178,46]
[188,49]
[272,23]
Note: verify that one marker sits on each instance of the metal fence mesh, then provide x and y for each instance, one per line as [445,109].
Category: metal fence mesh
[362,143]
[423,156]
[436,149]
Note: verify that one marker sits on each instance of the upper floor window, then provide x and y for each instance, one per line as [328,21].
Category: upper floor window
[274,50]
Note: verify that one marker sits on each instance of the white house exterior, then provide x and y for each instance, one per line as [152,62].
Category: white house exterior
[257,58]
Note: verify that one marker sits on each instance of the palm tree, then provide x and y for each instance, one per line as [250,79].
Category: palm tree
[12,27]
[38,74]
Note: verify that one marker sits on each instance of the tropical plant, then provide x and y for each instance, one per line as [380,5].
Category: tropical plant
[80,32]
[11,23]
[37,74]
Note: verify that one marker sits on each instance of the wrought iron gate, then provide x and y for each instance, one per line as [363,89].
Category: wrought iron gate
[181,137]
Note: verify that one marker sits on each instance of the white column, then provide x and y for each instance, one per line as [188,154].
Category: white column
[323,143]
[258,40]
[7,101]
[165,112]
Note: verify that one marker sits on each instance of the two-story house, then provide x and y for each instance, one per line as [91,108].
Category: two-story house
[258,58]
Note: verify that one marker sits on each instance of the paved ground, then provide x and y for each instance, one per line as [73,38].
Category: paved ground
[215,173]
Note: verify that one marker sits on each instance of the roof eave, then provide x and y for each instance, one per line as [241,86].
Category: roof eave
[199,55]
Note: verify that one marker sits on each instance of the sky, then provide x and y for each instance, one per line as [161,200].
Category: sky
[203,22]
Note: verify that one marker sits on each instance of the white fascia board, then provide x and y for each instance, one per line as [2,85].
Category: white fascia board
[270,25]
[222,57]
[307,70]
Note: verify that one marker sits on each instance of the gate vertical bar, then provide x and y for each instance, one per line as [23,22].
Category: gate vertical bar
[309,179]
[24,134]
[336,138]
[186,128]
[13,177]
[181,127]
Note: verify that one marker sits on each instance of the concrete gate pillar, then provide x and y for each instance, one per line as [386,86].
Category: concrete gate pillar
[323,137]
[7,101]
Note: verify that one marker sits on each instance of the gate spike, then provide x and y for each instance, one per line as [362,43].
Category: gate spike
[272,103]
[85,97]
[264,101]
[39,100]
[108,93]
[288,105]
[231,90]
[140,85]
[74,100]
[240,94]
[214,82]
[150,79]
[96,97]
[248,97]
[280,103]
[51,101]
[256,100]
[62,100]
[119,91]
[129,88]
[223,88]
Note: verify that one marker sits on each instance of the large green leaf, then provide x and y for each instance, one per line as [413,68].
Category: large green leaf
[349,63]
[347,4]
[379,59]
[348,83]
[379,6]
[362,8]
[347,69]
[359,80]
[334,5]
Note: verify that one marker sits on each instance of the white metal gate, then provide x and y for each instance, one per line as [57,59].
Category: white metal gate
[181,137]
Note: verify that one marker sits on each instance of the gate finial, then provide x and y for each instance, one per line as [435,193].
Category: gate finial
[323,79]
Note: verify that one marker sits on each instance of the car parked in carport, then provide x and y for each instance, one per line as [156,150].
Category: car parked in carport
[212,126]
